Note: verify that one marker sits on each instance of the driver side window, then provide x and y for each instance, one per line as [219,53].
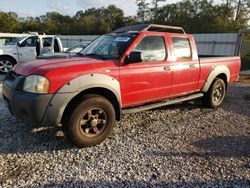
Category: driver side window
[152,48]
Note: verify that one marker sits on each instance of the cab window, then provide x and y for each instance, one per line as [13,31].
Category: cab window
[47,42]
[182,48]
[152,48]
[29,42]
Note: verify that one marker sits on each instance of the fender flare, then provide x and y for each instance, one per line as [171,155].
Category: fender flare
[85,82]
[217,70]
[65,94]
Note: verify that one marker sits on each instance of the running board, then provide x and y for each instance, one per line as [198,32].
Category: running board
[161,104]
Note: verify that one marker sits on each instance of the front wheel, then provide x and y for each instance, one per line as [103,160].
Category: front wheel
[92,121]
[6,64]
[216,94]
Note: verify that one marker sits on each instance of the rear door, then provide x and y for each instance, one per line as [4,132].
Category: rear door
[150,80]
[185,64]
[47,45]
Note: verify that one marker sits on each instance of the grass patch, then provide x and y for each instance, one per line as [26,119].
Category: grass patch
[247,96]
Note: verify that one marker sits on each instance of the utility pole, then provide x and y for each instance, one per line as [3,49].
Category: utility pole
[238,10]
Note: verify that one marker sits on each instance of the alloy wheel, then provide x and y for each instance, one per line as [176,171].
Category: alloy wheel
[5,65]
[93,122]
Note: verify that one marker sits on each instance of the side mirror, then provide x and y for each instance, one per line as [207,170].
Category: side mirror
[134,57]
[21,44]
[18,44]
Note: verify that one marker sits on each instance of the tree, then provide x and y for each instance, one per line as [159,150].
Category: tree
[202,16]
[114,16]
[240,10]
[196,16]
[30,24]
[9,22]
[142,11]
[155,9]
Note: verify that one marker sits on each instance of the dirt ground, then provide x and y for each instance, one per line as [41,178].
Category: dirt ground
[245,79]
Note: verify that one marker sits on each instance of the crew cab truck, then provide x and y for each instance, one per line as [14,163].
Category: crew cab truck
[27,48]
[132,69]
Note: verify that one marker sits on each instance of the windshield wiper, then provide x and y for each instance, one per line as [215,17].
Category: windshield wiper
[94,55]
[78,54]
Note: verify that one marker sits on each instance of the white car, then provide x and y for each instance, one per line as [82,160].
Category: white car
[72,51]
[77,48]
[27,49]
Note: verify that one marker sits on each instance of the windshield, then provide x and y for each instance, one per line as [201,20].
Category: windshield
[109,46]
[14,42]
[77,47]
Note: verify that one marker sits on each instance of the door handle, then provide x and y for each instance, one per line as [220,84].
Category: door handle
[167,68]
[192,66]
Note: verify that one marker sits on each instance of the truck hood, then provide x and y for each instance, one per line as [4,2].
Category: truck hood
[60,71]
[53,55]
[7,49]
[48,67]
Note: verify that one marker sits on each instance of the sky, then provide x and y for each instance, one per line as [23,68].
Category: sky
[34,8]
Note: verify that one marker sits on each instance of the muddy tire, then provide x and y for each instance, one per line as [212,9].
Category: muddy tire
[216,94]
[91,121]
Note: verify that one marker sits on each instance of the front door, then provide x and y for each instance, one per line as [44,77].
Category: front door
[149,80]
[27,49]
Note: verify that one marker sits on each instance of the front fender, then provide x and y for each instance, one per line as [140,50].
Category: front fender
[65,94]
[10,52]
[84,82]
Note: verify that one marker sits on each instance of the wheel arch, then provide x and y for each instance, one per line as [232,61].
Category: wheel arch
[100,84]
[11,57]
[220,71]
[223,76]
[70,95]
[104,92]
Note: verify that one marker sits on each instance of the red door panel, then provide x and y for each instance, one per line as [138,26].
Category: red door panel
[184,64]
[145,82]
[186,75]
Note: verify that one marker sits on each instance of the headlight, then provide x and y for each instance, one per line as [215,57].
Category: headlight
[36,84]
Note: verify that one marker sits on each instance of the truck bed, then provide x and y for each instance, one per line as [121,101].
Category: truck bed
[214,59]
[208,63]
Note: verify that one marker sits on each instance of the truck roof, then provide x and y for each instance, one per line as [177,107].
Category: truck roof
[151,27]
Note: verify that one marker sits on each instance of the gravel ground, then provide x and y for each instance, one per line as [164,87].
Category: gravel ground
[1,77]
[180,145]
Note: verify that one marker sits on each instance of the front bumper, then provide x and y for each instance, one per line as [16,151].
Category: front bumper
[24,105]
[42,109]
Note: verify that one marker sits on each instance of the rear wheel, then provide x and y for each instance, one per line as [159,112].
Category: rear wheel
[92,121]
[6,64]
[216,94]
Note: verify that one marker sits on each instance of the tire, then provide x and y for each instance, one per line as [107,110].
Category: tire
[216,94]
[92,121]
[6,64]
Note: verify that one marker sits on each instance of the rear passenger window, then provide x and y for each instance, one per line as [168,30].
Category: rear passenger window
[47,42]
[152,48]
[182,48]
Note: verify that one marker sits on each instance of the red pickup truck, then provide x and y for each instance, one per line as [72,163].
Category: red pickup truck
[132,69]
